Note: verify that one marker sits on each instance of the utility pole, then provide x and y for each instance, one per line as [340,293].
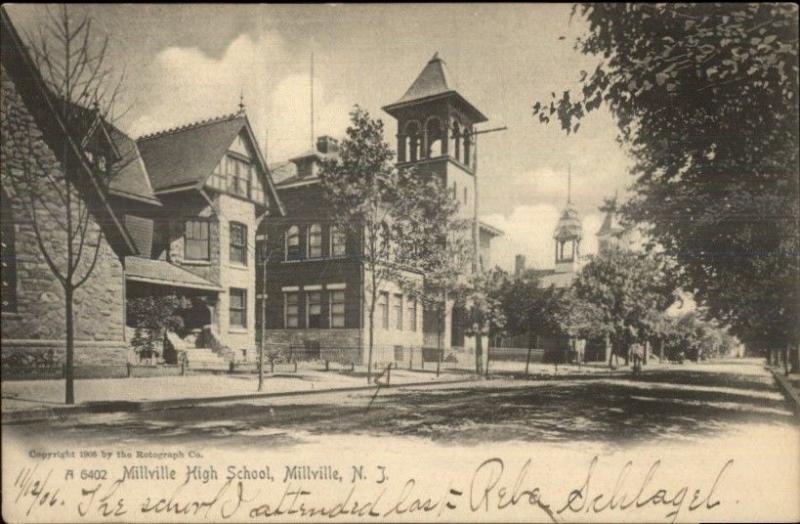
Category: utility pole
[476,266]
[263,278]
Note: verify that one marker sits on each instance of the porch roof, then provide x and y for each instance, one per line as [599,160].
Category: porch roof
[161,272]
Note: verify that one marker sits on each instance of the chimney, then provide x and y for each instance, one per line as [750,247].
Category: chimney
[327,145]
[519,265]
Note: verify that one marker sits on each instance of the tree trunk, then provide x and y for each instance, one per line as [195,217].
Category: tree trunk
[70,349]
[794,358]
[786,360]
[660,350]
[372,326]
[263,323]
[478,355]
[610,350]
[528,357]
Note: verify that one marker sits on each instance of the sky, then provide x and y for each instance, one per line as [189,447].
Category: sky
[184,63]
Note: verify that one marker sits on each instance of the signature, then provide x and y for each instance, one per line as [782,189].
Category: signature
[583,499]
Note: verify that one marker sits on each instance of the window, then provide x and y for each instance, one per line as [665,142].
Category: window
[239,174]
[336,299]
[314,309]
[398,311]
[238,249]
[8,256]
[196,243]
[338,242]
[412,313]
[315,241]
[293,243]
[291,311]
[238,307]
[383,308]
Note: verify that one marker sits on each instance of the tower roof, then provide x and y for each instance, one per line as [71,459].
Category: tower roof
[569,225]
[435,81]
[611,224]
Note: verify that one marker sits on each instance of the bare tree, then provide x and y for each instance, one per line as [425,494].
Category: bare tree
[84,90]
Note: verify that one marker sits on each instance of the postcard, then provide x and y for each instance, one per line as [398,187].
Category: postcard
[400,262]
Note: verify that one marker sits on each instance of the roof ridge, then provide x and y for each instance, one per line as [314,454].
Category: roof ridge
[191,125]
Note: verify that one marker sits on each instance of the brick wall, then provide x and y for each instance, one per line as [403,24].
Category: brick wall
[40,315]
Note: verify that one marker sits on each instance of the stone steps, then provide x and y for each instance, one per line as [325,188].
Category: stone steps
[204,358]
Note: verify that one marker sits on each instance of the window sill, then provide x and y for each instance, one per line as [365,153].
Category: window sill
[238,330]
[238,266]
[195,262]
[11,315]
[315,259]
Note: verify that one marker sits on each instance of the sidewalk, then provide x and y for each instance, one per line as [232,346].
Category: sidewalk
[125,394]
[790,387]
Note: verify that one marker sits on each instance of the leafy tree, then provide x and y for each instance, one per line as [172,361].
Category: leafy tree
[84,90]
[484,315]
[153,316]
[397,214]
[530,308]
[706,98]
[616,296]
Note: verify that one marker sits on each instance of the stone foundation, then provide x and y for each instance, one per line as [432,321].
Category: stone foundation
[33,359]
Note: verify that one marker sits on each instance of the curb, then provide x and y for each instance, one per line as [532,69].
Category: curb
[124,406]
[792,396]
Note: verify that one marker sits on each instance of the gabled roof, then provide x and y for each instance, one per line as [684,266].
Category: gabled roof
[131,181]
[184,157]
[40,103]
[435,81]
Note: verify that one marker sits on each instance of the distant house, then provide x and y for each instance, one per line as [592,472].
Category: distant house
[179,216]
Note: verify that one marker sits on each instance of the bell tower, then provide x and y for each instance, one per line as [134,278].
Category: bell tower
[436,136]
[567,235]
[434,131]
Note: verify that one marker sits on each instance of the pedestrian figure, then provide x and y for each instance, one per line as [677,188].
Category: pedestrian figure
[638,357]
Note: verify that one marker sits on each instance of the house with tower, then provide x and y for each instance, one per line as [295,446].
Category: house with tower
[315,279]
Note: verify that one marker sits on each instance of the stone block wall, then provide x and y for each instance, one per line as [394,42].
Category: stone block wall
[38,324]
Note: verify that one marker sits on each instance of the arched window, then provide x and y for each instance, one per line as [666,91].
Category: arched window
[434,138]
[8,255]
[338,242]
[293,243]
[456,140]
[413,141]
[315,241]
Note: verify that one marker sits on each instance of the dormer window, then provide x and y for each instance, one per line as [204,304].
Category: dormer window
[96,160]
